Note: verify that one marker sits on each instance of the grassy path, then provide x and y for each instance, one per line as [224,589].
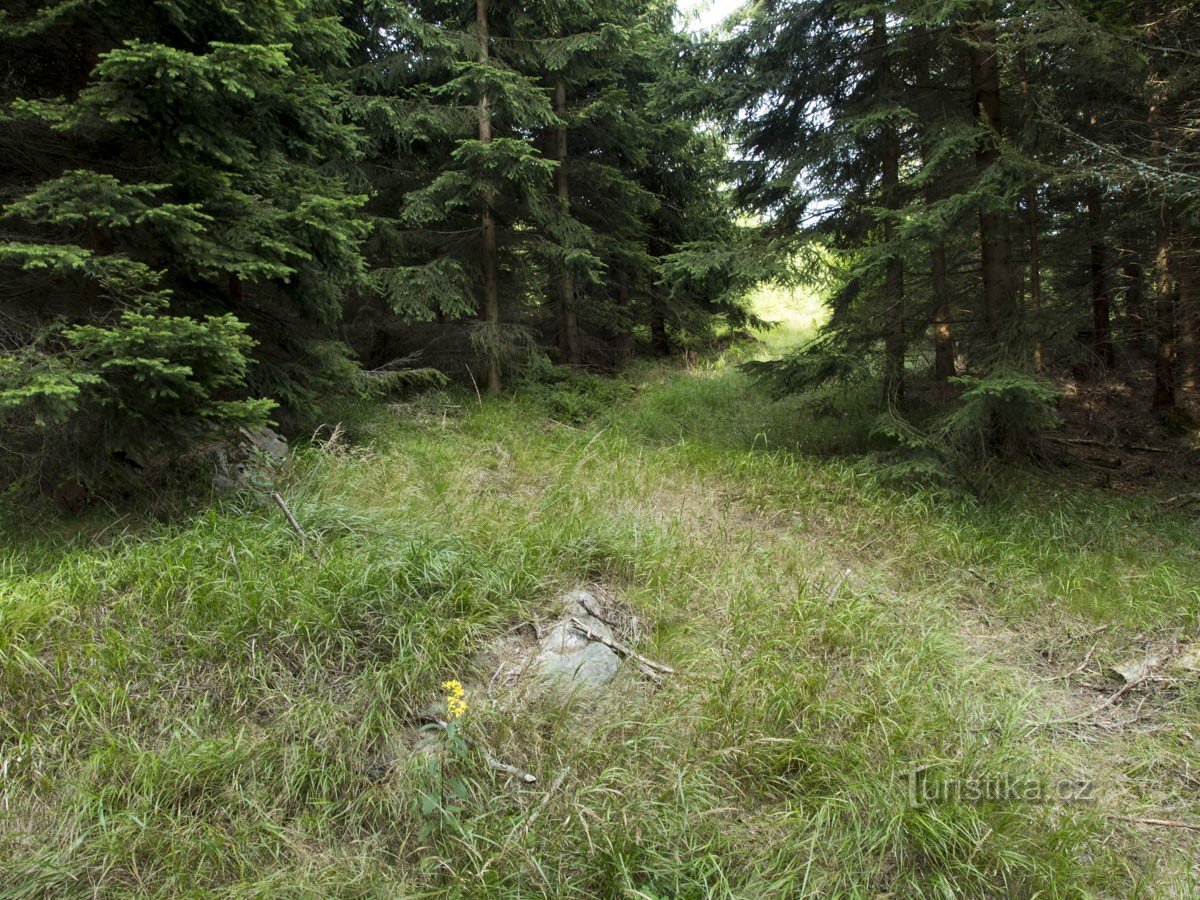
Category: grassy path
[207,707]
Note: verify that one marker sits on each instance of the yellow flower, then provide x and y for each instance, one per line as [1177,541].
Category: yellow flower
[455,704]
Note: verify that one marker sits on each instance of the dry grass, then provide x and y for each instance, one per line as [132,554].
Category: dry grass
[205,708]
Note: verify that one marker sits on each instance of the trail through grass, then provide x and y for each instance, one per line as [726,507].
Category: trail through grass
[208,707]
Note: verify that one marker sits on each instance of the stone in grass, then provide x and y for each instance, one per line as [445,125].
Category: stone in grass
[1188,660]
[567,660]
[1134,670]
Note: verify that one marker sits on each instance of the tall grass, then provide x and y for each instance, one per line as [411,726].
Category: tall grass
[210,707]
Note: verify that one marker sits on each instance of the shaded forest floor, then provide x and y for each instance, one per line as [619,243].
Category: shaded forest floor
[213,706]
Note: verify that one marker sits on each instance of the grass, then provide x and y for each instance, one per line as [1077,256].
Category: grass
[204,707]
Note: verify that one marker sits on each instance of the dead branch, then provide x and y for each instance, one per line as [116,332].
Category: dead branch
[1165,823]
[1088,442]
[1108,701]
[291,519]
[647,666]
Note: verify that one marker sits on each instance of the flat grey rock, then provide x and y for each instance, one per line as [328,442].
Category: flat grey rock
[569,661]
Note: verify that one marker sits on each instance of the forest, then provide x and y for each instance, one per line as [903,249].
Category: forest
[599,448]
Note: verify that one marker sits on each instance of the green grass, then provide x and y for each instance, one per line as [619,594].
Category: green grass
[205,707]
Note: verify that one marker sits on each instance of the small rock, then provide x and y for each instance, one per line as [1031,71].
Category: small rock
[267,441]
[567,659]
[585,604]
[1137,669]
[1188,660]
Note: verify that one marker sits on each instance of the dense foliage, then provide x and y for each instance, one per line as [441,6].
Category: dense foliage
[1008,189]
[220,212]
[215,214]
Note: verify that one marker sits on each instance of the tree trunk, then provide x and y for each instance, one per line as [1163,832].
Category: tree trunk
[1165,388]
[1033,227]
[1135,309]
[569,341]
[624,342]
[1102,344]
[895,340]
[943,338]
[1183,264]
[999,293]
[660,343]
[1164,324]
[490,313]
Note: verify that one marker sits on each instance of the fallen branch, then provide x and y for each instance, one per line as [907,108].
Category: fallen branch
[1109,701]
[1088,442]
[507,769]
[291,519]
[1165,823]
[648,666]
[491,760]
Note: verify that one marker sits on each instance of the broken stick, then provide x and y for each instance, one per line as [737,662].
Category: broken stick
[648,666]
[291,519]
[507,769]
[493,762]
[1164,823]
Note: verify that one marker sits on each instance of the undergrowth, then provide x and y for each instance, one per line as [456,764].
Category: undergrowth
[213,706]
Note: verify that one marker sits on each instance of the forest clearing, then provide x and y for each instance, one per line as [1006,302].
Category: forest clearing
[213,706]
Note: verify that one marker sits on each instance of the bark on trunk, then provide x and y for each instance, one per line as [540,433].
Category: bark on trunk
[999,293]
[490,312]
[1164,324]
[569,339]
[895,340]
[1102,344]
[943,338]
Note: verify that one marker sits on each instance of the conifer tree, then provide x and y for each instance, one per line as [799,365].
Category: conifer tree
[173,213]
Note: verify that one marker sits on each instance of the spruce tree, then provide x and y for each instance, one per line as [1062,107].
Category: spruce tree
[174,214]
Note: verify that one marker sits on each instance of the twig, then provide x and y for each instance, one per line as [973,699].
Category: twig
[1088,442]
[837,583]
[507,769]
[1109,701]
[648,666]
[1165,823]
[492,761]
[291,519]
[1083,665]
